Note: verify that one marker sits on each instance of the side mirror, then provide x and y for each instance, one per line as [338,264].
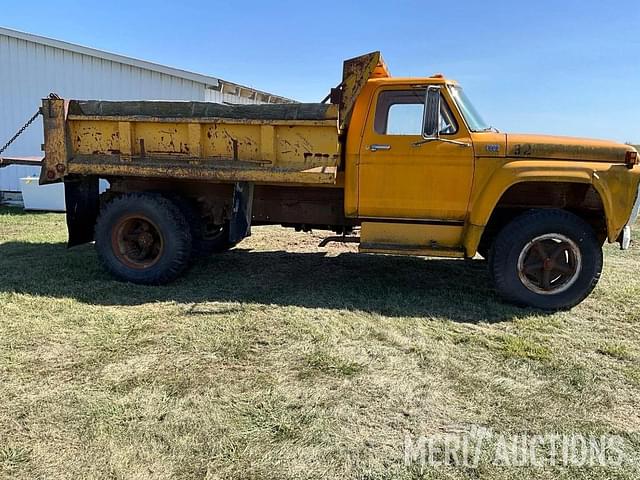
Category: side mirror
[431,119]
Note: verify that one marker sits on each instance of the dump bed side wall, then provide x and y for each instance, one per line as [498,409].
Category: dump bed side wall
[290,144]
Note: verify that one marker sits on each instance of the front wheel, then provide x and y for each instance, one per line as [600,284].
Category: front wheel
[547,259]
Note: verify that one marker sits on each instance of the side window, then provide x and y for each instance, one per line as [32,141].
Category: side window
[400,112]
[404,119]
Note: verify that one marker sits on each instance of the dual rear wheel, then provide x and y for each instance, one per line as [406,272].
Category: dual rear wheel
[150,239]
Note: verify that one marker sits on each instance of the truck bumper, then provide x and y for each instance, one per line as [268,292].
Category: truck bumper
[625,236]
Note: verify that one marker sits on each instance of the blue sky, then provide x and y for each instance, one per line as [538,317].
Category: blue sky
[561,67]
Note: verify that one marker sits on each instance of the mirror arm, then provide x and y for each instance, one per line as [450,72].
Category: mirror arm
[455,142]
[439,139]
[422,142]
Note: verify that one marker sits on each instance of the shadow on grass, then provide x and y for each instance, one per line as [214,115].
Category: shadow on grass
[393,286]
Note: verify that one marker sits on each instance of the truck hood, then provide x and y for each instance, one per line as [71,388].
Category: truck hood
[565,148]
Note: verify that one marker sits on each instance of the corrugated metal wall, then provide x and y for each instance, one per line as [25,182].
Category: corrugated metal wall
[217,96]
[10,176]
[29,71]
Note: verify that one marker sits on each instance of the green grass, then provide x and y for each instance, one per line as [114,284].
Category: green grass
[615,350]
[279,359]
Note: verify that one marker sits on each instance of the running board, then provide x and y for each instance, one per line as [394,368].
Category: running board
[419,250]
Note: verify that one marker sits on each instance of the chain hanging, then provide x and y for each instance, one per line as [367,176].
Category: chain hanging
[24,127]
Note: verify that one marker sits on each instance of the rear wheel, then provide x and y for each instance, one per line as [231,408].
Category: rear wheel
[206,239]
[143,238]
[548,259]
[217,239]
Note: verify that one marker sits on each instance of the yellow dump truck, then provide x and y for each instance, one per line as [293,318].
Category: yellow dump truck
[404,166]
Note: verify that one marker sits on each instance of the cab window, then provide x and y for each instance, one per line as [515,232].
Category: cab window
[400,112]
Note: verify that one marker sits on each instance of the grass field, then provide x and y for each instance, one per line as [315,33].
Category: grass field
[282,360]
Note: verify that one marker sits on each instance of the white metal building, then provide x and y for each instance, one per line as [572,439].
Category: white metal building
[32,66]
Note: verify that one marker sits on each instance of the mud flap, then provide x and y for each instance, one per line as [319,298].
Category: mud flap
[240,223]
[82,202]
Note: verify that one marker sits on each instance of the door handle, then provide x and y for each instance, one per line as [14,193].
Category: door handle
[378,146]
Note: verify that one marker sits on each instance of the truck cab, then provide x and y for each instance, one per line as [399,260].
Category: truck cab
[403,186]
[426,175]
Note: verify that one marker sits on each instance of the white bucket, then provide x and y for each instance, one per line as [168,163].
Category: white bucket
[42,197]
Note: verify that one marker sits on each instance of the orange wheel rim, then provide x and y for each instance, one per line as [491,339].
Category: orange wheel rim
[137,241]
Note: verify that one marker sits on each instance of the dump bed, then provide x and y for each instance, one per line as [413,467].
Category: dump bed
[284,143]
[281,143]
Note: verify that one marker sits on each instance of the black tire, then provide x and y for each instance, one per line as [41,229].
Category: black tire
[523,271]
[486,242]
[143,238]
[220,242]
[203,243]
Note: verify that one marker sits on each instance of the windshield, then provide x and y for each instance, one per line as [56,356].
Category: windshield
[470,114]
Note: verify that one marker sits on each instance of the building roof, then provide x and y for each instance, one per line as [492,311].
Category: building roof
[207,81]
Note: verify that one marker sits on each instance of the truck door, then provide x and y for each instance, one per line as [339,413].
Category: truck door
[400,178]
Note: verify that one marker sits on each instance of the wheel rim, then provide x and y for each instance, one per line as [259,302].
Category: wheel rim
[549,264]
[137,241]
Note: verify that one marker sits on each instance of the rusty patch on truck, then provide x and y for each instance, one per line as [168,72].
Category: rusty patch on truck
[567,151]
[355,74]
[211,168]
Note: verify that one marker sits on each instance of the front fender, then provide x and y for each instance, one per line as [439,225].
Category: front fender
[615,183]
[618,188]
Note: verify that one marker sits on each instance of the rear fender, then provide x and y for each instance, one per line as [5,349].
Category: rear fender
[240,223]
[82,202]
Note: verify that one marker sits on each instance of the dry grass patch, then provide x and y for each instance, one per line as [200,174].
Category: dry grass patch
[279,359]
